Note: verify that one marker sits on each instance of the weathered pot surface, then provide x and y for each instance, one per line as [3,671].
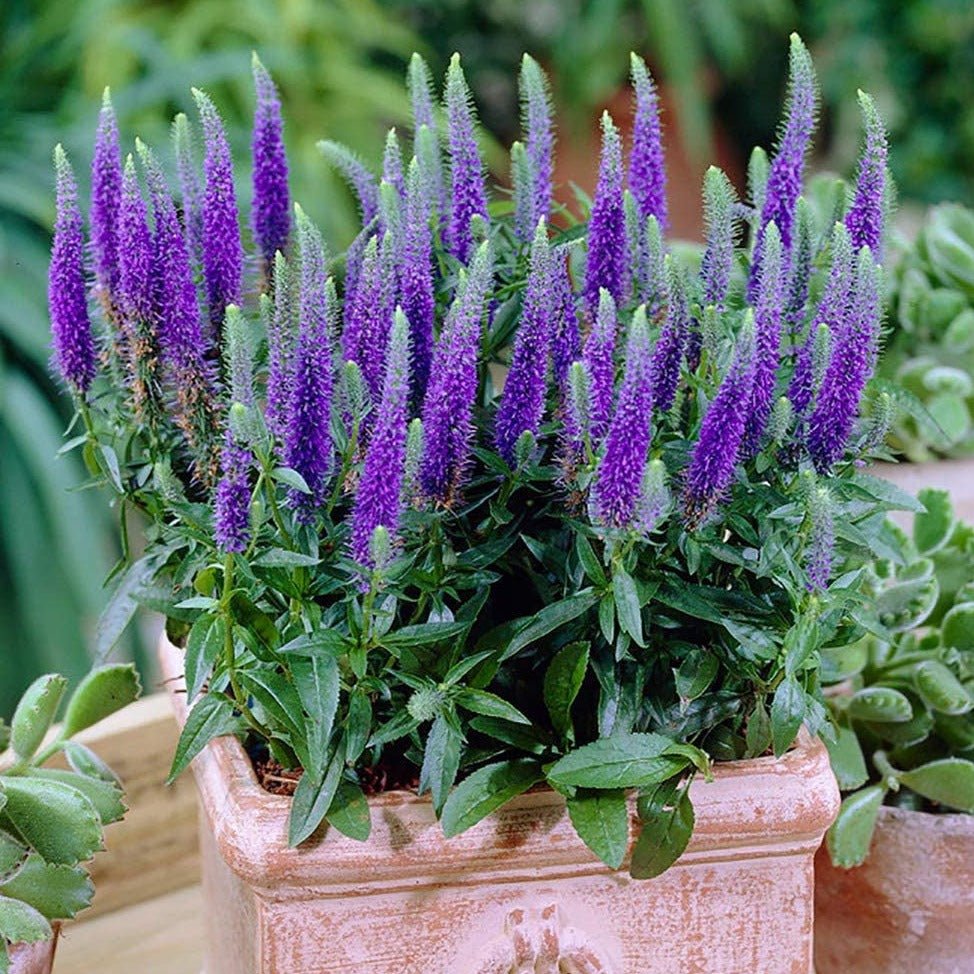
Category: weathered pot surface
[33,958]
[909,909]
[517,892]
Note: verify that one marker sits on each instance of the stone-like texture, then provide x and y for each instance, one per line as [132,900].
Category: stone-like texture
[516,887]
[909,909]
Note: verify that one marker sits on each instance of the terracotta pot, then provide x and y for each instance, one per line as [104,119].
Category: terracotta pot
[517,892]
[956,476]
[33,958]
[909,908]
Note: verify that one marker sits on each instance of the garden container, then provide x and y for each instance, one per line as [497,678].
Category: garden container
[33,958]
[909,908]
[954,476]
[519,891]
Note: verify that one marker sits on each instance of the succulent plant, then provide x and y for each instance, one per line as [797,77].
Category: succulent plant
[931,348]
[52,819]
[905,692]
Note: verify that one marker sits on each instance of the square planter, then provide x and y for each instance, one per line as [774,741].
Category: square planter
[909,908]
[519,891]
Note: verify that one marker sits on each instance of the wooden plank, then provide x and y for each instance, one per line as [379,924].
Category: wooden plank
[159,936]
[155,848]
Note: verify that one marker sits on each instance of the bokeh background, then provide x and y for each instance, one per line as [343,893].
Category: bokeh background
[340,66]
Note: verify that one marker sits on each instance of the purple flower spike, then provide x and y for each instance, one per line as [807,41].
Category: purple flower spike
[767,323]
[280,343]
[74,347]
[801,269]
[785,177]
[647,172]
[416,292]
[832,310]
[426,141]
[672,344]
[270,217]
[650,276]
[539,141]
[618,484]
[522,402]
[452,390]
[849,369]
[713,459]
[189,186]
[720,216]
[467,188]
[378,500]
[607,260]
[358,176]
[231,504]
[134,254]
[308,445]
[523,202]
[106,194]
[392,164]
[598,359]
[222,249]
[865,218]
[567,342]
[820,550]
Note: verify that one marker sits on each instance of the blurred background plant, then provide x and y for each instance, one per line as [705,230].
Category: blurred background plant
[339,65]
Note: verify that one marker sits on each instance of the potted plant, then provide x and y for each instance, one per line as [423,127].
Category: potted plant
[528,531]
[930,356]
[52,819]
[893,890]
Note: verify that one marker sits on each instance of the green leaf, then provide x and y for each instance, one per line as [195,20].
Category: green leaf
[282,558]
[933,527]
[590,563]
[212,716]
[489,705]
[667,819]
[316,680]
[291,478]
[485,791]
[758,734]
[275,696]
[83,760]
[562,681]
[848,763]
[56,820]
[550,618]
[880,704]
[424,634]
[851,833]
[696,673]
[57,892]
[601,819]
[120,608]
[358,724]
[883,490]
[313,798]
[949,781]
[787,714]
[940,689]
[620,761]
[329,641]
[957,627]
[399,725]
[256,627]
[520,736]
[13,854]
[628,607]
[205,643]
[22,924]
[441,761]
[35,713]
[105,796]
[103,691]
[349,812]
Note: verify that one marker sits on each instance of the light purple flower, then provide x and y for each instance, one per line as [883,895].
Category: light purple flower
[308,447]
[714,457]
[452,389]
[523,400]
[74,347]
[607,260]
[849,369]
[785,177]
[619,478]
[647,171]
[189,187]
[865,218]
[106,193]
[358,176]
[720,216]
[416,289]
[598,358]
[523,201]
[467,187]
[566,344]
[801,269]
[767,324]
[650,272]
[820,548]
[222,249]
[378,499]
[671,345]
[426,141]
[281,333]
[231,503]
[270,217]
[539,138]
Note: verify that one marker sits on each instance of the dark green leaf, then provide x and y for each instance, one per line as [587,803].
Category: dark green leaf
[519,736]
[211,716]
[485,791]
[489,705]
[120,608]
[787,714]
[696,673]
[562,682]
[601,819]
[590,563]
[256,627]
[425,634]
[313,798]
[667,820]
[205,643]
[550,618]
[291,478]
[358,724]
[349,812]
[620,761]
[441,761]
[628,607]
[399,725]
[282,558]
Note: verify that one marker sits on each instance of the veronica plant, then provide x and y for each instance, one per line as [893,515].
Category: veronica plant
[52,819]
[505,504]
[904,706]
